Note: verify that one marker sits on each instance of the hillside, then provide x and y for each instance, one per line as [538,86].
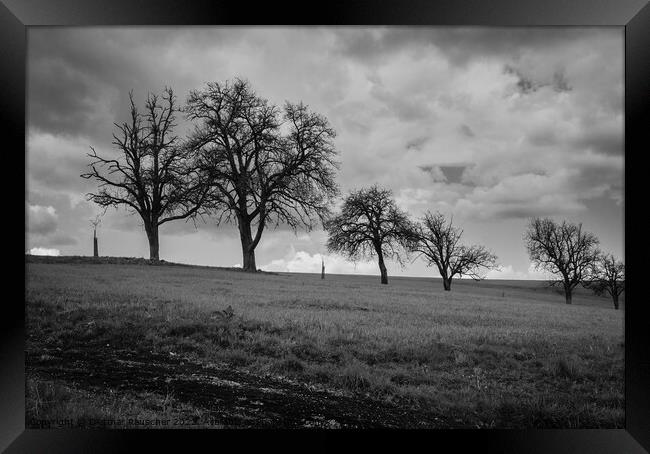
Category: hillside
[231,349]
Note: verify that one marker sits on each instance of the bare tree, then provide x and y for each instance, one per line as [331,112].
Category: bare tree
[607,275]
[267,166]
[370,224]
[95,222]
[438,241]
[153,175]
[563,249]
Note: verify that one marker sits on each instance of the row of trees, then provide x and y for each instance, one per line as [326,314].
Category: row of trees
[567,251]
[254,164]
[371,225]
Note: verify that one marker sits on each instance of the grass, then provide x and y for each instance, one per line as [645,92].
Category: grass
[489,354]
[54,405]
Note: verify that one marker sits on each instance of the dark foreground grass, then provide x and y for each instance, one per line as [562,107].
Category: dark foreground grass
[475,357]
[55,405]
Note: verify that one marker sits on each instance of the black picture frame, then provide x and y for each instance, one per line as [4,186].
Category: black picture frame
[633,15]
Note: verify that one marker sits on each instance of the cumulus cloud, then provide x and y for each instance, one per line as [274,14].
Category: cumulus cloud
[461,45]
[490,125]
[42,219]
[56,218]
[508,272]
[304,262]
[55,162]
[44,251]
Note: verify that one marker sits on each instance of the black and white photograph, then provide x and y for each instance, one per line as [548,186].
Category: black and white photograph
[325,227]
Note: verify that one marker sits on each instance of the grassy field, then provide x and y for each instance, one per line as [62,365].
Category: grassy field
[133,345]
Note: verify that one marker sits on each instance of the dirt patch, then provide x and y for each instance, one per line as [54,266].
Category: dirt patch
[232,398]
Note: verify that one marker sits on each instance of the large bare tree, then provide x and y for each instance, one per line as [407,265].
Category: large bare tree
[438,241]
[153,174]
[370,224]
[267,165]
[564,249]
[607,275]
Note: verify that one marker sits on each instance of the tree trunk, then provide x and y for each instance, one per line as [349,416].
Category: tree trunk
[248,256]
[568,293]
[446,283]
[248,250]
[615,298]
[95,248]
[382,268]
[152,235]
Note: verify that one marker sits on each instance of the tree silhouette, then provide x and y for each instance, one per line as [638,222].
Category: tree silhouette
[267,166]
[95,222]
[563,249]
[438,241]
[607,275]
[370,224]
[154,174]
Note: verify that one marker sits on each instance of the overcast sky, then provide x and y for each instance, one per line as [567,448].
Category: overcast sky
[491,125]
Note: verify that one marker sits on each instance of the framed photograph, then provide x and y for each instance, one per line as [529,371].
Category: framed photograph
[375,220]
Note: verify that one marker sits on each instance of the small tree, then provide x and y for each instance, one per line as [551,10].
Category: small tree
[607,275]
[438,241]
[370,224]
[95,222]
[266,165]
[154,174]
[563,249]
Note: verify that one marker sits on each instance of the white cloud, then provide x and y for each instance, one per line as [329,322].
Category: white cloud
[44,251]
[398,99]
[509,273]
[529,153]
[303,262]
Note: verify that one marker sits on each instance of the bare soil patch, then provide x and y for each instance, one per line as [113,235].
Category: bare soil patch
[230,397]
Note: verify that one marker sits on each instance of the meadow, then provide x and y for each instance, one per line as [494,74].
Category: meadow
[126,344]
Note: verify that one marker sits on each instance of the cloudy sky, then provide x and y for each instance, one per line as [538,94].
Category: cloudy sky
[491,125]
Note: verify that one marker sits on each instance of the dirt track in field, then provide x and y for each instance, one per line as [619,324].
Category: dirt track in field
[231,398]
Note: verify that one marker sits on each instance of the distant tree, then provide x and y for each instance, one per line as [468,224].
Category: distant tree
[266,165]
[153,175]
[95,222]
[370,224]
[438,241]
[562,249]
[607,275]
